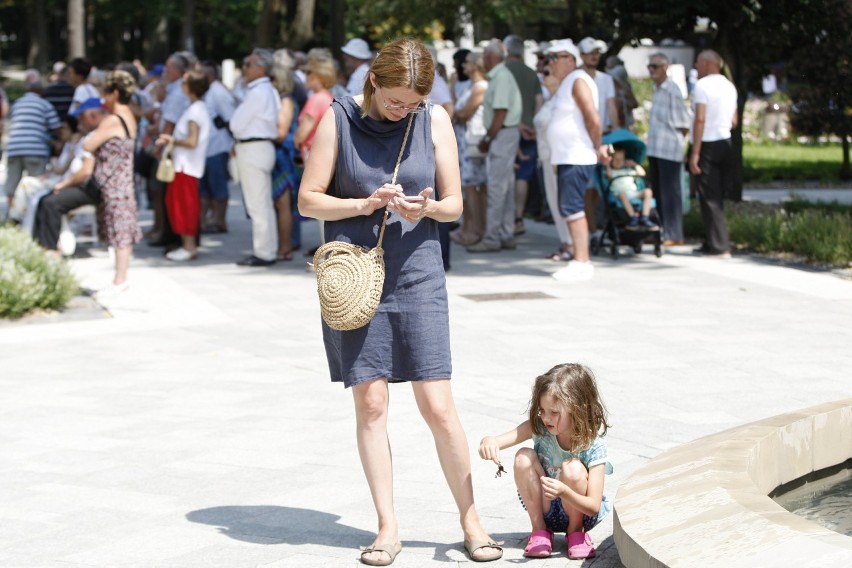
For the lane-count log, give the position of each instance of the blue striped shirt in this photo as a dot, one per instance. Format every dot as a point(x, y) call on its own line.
point(32, 122)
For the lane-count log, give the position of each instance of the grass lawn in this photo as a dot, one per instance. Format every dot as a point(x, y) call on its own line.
point(797, 162)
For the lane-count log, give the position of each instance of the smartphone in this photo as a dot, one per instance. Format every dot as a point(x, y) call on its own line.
point(413, 198)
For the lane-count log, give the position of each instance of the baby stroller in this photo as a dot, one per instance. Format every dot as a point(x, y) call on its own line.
point(616, 219)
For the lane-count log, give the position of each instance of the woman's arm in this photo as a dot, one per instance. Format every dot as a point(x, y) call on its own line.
point(319, 170)
point(490, 446)
point(110, 127)
point(590, 503)
point(306, 125)
point(191, 140)
point(469, 109)
point(285, 118)
point(447, 176)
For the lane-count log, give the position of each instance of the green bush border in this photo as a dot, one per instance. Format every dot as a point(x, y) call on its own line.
point(819, 232)
point(29, 278)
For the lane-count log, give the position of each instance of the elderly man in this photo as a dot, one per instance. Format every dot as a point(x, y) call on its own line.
point(667, 126)
point(255, 128)
point(356, 60)
point(32, 123)
point(574, 135)
point(501, 115)
point(71, 191)
point(213, 185)
point(714, 102)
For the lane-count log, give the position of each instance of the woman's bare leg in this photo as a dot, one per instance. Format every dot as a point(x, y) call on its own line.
point(122, 263)
point(371, 415)
point(435, 402)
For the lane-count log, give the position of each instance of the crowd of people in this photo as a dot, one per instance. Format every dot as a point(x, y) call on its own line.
point(516, 128)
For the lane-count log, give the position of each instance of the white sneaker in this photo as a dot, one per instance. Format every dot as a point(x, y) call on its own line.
point(181, 255)
point(575, 272)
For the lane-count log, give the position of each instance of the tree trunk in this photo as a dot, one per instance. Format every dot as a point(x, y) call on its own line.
point(37, 24)
point(302, 29)
point(187, 31)
point(337, 26)
point(264, 23)
point(845, 169)
point(76, 29)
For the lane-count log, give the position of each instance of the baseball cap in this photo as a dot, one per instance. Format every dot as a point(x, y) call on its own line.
point(156, 70)
point(589, 44)
point(357, 48)
point(564, 45)
point(88, 104)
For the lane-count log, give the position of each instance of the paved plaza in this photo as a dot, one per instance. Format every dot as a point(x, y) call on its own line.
point(191, 422)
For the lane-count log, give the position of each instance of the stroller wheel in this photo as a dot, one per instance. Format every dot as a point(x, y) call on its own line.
point(613, 251)
point(658, 250)
point(637, 248)
point(595, 246)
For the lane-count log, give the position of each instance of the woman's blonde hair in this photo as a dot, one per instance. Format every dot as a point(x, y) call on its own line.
point(478, 61)
point(574, 386)
point(122, 82)
point(324, 70)
point(404, 62)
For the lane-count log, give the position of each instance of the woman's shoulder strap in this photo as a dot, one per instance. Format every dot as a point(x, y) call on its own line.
point(123, 124)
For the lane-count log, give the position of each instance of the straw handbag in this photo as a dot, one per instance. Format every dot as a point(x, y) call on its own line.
point(166, 167)
point(350, 278)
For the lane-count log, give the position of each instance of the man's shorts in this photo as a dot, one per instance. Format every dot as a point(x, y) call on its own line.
point(526, 168)
point(214, 183)
point(572, 181)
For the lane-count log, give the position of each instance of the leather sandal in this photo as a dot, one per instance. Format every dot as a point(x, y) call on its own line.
point(471, 546)
point(390, 549)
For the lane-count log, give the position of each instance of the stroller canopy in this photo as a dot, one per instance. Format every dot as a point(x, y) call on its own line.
point(634, 148)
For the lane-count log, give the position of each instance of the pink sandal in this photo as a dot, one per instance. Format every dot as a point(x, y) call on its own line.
point(580, 545)
point(540, 545)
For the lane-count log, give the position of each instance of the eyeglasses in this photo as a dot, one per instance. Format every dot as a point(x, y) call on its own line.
point(421, 107)
point(545, 73)
point(248, 64)
point(653, 66)
point(558, 56)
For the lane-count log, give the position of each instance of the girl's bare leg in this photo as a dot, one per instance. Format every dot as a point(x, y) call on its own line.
point(575, 476)
point(122, 262)
point(528, 473)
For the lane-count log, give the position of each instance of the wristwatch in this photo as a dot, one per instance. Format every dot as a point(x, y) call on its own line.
point(486, 139)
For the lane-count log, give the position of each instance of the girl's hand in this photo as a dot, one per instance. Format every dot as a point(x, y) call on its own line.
point(489, 449)
point(413, 210)
point(552, 488)
point(380, 198)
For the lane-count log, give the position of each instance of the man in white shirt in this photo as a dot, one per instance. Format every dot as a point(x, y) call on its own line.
point(714, 101)
point(254, 126)
point(356, 59)
point(78, 76)
point(213, 186)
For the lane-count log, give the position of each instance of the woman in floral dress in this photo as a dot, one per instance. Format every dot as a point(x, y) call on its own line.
point(113, 144)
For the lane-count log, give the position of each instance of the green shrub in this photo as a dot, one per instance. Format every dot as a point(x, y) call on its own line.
point(29, 279)
point(818, 232)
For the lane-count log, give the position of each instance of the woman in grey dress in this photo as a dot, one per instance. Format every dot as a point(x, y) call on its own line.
point(347, 184)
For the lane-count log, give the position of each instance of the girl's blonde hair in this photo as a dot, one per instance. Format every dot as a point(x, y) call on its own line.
point(324, 70)
point(404, 62)
point(574, 386)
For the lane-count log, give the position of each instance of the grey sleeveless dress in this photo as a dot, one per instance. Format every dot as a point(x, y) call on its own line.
point(409, 337)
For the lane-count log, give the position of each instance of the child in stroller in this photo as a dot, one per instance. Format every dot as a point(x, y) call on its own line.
point(622, 174)
point(621, 226)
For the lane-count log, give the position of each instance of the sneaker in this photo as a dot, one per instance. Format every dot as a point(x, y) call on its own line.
point(648, 224)
point(634, 223)
point(575, 272)
point(482, 246)
point(111, 291)
point(181, 255)
point(580, 545)
point(509, 244)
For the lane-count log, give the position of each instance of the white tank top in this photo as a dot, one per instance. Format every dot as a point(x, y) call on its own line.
point(567, 136)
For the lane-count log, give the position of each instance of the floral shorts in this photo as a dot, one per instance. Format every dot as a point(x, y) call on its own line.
point(556, 520)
